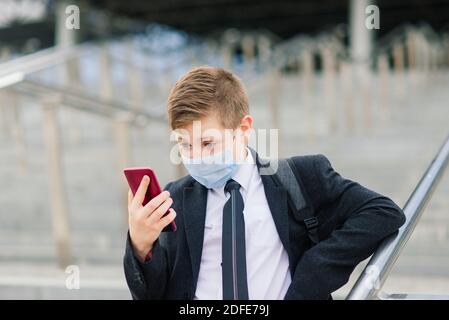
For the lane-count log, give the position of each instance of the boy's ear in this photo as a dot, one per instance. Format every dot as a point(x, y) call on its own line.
point(246, 124)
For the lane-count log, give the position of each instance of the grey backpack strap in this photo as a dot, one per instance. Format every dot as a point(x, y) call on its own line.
point(287, 176)
point(288, 180)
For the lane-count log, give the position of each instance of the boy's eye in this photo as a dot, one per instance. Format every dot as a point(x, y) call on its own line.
point(184, 145)
point(208, 144)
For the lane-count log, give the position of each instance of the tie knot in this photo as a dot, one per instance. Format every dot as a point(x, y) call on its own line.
point(232, 185)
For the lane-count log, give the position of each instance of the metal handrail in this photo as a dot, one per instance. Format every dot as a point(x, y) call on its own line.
point(370, 282)
point(76, 99)
point(26, 65)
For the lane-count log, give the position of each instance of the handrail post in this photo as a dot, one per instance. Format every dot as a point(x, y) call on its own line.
point(329, 70)
point(18, 131)
point(346, 78)
point(58, 200)
point(136, 91)
point(248, 48)
point(106, 84)
point(398, 62)
point(274, 87)
point(385, 81)
point(5, 124)
point(374, 275)
point(308, 79)
point(411, 49)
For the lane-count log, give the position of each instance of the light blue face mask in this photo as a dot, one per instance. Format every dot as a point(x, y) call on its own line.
point(212, 171)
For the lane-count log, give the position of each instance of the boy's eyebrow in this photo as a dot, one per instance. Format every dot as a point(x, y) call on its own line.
point(181, 138)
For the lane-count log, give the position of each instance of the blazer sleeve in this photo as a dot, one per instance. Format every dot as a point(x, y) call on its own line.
point(362, 218)
point(147, 280)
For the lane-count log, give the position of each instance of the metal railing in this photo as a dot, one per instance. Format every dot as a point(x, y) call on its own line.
point(14, 71)
point(80, 100)
point(369, 284)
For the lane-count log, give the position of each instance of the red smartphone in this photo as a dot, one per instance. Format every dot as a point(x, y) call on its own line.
point(135, 176)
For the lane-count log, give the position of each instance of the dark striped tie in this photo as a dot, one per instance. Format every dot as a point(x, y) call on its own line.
point(235, 286)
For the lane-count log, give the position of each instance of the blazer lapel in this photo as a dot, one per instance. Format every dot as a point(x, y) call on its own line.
point(277, 201)
point(194, 211)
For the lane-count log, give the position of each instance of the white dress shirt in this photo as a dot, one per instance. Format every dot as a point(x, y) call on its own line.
point(267, 263)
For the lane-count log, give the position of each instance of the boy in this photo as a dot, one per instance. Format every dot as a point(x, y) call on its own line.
point(236, 237)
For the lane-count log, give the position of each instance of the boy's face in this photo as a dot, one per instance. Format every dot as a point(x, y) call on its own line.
point(206, 136)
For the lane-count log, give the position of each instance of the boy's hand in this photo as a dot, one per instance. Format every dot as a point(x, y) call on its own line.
point(146, 222)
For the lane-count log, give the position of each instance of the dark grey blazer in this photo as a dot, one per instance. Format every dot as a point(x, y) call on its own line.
point(353, 220)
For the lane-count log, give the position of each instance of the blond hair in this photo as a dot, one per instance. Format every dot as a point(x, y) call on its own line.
point(207, 90)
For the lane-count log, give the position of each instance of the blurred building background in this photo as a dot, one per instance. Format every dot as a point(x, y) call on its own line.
point(77, 106)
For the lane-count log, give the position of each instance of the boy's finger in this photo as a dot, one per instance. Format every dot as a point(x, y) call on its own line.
point(162, 209)
point(154, 203)
point(165, 221)
point(130, 197)
point(140, 193)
